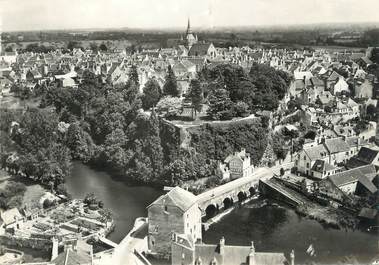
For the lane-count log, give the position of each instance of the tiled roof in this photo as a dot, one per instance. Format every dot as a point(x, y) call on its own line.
point(177, 197)
point(367, 155)
point(361, 174)
point(336, 145)
point(236, 255)
point(199, 49)
point(71, 257)
point(321, 166)
point(316, 152)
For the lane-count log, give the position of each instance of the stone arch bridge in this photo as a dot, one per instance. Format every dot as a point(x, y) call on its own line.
point(224, 196)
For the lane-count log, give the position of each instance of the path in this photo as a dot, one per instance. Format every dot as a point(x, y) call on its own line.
point(135, 240)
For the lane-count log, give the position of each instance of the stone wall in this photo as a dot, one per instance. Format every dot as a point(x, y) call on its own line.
point(34, 243)
point(161, 225)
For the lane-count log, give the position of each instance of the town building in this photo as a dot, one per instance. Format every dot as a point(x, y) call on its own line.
point(10, 219)
point(176, 211)
point(184, 252)
point(239, 164)
point(355, 181)
point(365, 156)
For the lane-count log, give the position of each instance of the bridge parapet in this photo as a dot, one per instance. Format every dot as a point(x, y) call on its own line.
point(232, 189)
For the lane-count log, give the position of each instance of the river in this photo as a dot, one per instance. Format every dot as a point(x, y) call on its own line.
point(126, 202)
point(272, 228)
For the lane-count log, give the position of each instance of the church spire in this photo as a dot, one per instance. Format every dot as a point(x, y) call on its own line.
point(188, 26)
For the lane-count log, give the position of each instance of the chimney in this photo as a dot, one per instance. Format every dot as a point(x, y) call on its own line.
point(252, 254)
point(222, 246)
point(292, 257)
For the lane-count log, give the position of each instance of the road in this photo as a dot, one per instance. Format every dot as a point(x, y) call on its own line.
point(135, 240)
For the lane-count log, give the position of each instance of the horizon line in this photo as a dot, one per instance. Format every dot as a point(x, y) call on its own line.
point(202, 28)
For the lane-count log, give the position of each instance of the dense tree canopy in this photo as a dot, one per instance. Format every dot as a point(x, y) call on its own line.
point(170, 87)
point(169, 106)
point(151, 94)
point(196, 95)
point(260, 89)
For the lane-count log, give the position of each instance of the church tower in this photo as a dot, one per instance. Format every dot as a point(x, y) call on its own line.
point(191, 39)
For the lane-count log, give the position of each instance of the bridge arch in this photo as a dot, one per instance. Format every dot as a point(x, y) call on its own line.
point(252, 191)
point(211, 210)
point(241, 196)
point(228, 202)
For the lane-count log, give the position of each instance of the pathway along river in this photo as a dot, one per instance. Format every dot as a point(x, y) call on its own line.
point(272, 228)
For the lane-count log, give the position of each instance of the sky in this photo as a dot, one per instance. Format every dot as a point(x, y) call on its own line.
point(76, 14)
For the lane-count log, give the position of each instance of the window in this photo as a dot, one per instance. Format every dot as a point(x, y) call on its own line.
point(165, 208)
point(307, 165)
point(347, 153)
point(305, 158)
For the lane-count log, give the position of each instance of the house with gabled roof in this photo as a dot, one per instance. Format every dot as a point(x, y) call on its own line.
point(338, 150)
point(203, 49)
point(355, 181)
point(186, 253)
point(365, 156)
point(239, 164)
point(308, 156)
point(174, 212)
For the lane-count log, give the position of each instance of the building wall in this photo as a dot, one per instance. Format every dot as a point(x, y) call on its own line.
point(339, 157)
point(364, 90)
point(236, 168)
point(192, 222)
point(349, 188)
point(161, 224)
point(181, 255)
point(303, 163)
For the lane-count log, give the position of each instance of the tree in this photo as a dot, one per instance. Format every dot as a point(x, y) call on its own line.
point(153, 147)
point(79, 142)
point(103, 47)
point(169, 106)
point(93, 46)
point(133, 75)
point(73, 45)
point(151, 94)
point(170, 87)
point(241, 109)
point(220, 105)
point(196, 95)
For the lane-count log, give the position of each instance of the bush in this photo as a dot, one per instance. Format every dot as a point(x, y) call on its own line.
point(241, 109)
point(48, 203)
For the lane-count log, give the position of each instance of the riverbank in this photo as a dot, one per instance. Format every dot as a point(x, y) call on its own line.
point(274, 226)
point(329, 216)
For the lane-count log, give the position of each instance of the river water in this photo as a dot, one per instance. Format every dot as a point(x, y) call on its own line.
point(126, 202)
point(271, 227)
